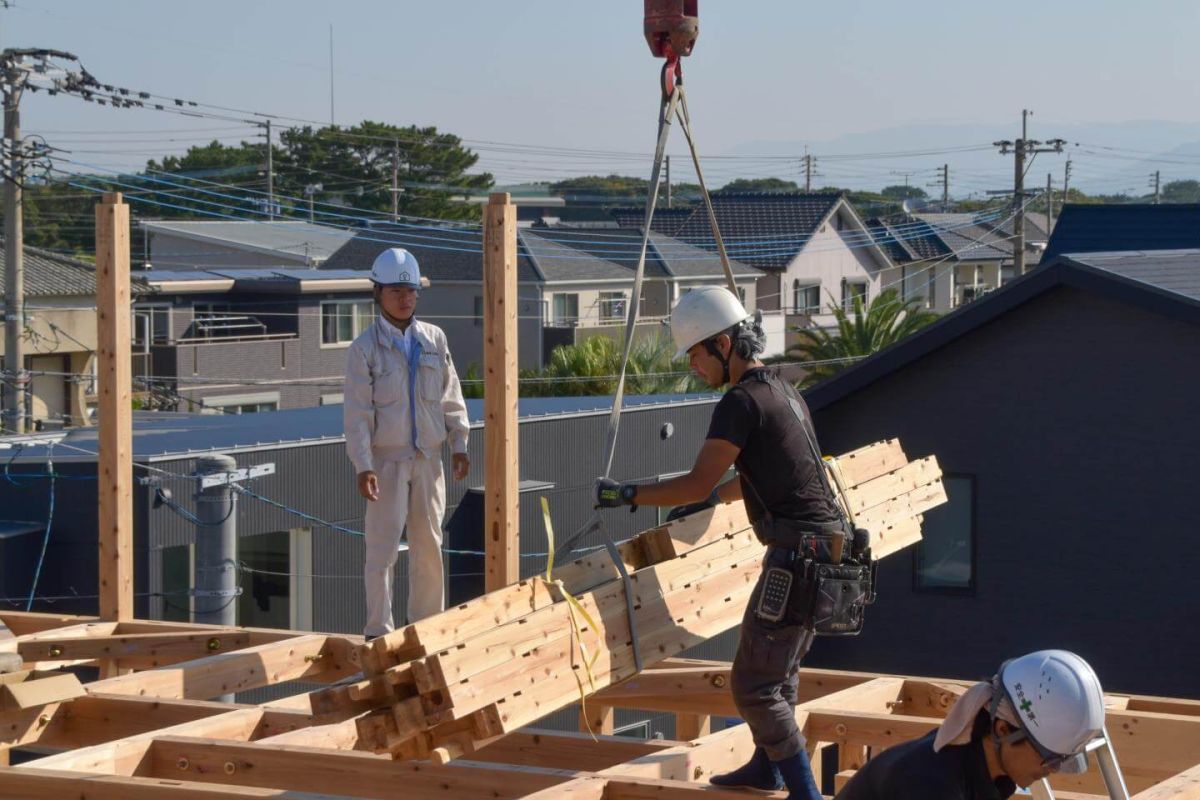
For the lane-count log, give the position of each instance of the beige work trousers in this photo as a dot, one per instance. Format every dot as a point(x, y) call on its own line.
point(411, 493)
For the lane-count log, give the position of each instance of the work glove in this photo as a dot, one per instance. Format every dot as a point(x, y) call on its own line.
point(610, 494)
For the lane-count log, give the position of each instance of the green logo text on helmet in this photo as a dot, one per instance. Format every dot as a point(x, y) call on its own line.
point(703, 313)
point(396, 267)
point(1058, 699)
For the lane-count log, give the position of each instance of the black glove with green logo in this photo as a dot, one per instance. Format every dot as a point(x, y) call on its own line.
point(610, 494)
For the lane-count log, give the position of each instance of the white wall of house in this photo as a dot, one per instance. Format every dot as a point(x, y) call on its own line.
point(829, 261)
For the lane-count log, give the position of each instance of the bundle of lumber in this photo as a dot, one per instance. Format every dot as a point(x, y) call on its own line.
point(445, 686)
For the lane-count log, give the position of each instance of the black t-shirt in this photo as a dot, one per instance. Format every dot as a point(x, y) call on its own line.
point(912, 771)
point(775, 459)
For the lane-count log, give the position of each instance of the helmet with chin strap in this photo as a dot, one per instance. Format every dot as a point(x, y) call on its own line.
point(705, 313)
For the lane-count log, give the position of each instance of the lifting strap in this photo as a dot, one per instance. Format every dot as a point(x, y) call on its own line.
point(673, 105)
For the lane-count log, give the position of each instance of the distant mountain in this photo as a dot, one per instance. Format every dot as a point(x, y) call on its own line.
point(1106, 157)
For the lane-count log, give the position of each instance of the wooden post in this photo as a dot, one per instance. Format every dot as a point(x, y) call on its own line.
point(692, 726)
point(598, 719)
point(115, 462)
point(501, 541)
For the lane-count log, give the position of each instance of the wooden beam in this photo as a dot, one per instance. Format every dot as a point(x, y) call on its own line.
point(1184, 786)
point(137, 650)
point(115, 459)
point(44, 784)
point(351, 773)
point(312, 657)
point(562, 750)
point(501, 508)
point(597, 719)
point(22, 623)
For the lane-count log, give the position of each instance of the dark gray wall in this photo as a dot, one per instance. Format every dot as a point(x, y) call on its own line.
point(1076, 415)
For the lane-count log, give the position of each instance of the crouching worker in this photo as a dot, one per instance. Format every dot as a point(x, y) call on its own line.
point(1039, 715)
point(762, 426)
point(402, 402)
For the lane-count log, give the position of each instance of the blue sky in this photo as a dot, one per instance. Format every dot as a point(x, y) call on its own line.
point(767, 75)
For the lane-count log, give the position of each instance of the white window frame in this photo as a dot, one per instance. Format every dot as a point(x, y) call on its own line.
point(797, 289)
point(332, 399)
point(146, 312)
point(565, 320)
point(605, 302)
point(217, 405)
point(357, 324)
point(848, 297)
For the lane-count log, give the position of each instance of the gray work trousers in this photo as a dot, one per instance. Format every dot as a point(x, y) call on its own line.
point(765, 675)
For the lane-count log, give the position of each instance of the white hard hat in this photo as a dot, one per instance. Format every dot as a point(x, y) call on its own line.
point(1058, 699)
point(703, 313)
point(396, 266)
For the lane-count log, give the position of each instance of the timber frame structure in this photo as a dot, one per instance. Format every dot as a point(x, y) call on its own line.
point(153, 732)
point(148, 726)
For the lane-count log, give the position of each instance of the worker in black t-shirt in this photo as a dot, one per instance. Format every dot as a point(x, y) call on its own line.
point(759, 426)
point(1039, 715)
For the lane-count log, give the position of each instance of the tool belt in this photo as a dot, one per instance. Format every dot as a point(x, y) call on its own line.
point(829, 598)
point(826, 542)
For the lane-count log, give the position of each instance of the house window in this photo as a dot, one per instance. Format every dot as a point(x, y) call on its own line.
point(566, 309)
point(806, 299)
point(203, 311)
point(945, 557)
point(612, 306)
point(852, 290)
point(241, 403)
point(634, 730)
point(478, 313)
point(343, 320)
point(151, 324)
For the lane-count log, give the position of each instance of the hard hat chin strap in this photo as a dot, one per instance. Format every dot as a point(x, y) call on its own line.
point(711, 346)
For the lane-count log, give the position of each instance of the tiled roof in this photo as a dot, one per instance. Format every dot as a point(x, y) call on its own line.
point(890, 240)
point(452, 253)
point(967, 238)
point(788, 219)
point(1115, 228)
point(49, 274)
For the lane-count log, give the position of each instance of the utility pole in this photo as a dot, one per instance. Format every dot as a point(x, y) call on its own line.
point(1157, 178)
point(310, 191)
point(1020, 149)
point(395, 180)
point(270, 175)
point(943, 172)
point(808, 171)
point(668, 166)
point(1049, 202)
point(215, 575)
point(1066, 181)
point(331, 122)
point(14, 255)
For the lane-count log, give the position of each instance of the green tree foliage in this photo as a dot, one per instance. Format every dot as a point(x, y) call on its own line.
point(760, 185)
point(1187, 191)
point(859, 332)
point(589, 368)
point(610, 188)
point(352, 166)
point(901, 192)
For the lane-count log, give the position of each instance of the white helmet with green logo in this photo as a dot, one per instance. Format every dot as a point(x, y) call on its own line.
point(1058, 699)
point(703, 313)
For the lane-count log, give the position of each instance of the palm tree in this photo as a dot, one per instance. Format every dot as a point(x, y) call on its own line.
point(859, 333)
point(652, 368)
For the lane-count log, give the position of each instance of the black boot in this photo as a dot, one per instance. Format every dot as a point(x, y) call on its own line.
point(798, 777)
point(757, 773)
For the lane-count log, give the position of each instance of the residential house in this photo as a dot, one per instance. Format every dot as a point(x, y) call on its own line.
point(59, 336)
point(1134, 226)
point(813, 248)
point(239, 340)
point(572, 283)
point(1060, 407)
point(230, 244)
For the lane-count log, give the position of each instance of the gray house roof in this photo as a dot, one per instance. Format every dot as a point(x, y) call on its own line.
point(967, 237)
point(292, 240)
point(544, 255)
point(790, 218)
point(49, 274)
point(1175, 270)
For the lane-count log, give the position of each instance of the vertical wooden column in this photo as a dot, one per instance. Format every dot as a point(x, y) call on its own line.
point(115, 463)
point(501, 537)
point(598, 719)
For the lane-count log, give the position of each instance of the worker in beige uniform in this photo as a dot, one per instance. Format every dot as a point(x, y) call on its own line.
point(403, 401)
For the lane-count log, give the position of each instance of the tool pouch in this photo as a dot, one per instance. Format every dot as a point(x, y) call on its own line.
point(840, 594)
